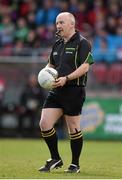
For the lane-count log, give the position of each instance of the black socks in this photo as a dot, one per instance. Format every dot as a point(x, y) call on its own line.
point(76, 143)
point(52, 142)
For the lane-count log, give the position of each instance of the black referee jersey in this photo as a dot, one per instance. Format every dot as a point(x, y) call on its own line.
point(67, 57)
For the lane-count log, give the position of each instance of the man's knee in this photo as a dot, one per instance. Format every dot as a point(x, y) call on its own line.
point(73, 123)
point(74, 127)
point(43, 124)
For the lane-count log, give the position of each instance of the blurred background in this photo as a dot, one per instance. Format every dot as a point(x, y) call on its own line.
point(27, 32)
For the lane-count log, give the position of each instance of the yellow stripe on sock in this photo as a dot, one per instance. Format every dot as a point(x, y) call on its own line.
point(49, 133)
point(74, 135)
point(46, 133)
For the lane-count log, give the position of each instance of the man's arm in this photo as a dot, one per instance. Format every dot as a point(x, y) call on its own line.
point(85, 59)
point(80, 71)
point(83, 68)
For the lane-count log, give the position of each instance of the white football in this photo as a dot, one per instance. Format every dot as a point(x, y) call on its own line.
point(46, 77)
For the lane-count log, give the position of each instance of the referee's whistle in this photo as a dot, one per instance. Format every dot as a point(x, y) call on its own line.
point(58, 33)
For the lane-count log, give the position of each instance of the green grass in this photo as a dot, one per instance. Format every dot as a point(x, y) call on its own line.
point(21, 159)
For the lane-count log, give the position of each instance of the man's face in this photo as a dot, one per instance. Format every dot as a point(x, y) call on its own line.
point(64, 25)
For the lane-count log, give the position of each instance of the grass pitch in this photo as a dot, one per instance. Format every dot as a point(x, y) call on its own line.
point(21, 159)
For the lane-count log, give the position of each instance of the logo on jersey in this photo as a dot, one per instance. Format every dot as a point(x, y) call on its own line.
point(69, 50)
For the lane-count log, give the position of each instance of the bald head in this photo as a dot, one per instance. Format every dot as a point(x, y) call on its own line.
point(65, 24)
point(68, 16)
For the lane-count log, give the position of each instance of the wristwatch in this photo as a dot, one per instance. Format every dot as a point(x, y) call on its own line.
point(67, 78)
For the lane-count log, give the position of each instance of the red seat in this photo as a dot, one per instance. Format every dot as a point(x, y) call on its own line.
point(115, 74)
point(100, 72)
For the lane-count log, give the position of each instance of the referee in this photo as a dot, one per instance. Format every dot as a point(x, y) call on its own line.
point(71, 57)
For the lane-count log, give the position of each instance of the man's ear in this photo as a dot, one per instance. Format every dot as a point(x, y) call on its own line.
point(72, 23)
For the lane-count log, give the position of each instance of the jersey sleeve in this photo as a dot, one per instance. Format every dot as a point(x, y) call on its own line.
point(84, 52)
point(50, 58)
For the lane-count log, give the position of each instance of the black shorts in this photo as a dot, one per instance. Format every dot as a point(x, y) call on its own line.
point(69, 98)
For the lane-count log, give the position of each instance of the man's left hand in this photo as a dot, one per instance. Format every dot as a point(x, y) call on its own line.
point(61, 81)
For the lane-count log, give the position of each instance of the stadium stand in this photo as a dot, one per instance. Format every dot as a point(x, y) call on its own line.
point(100, 72)
point(115, 74)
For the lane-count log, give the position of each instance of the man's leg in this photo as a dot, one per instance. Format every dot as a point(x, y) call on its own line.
point(76, 141)
point(48, 119)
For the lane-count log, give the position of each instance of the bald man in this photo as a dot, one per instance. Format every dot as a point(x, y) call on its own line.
point(71, 57)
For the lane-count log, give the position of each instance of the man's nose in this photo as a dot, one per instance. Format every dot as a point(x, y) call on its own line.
point(58, 26)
